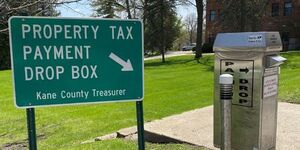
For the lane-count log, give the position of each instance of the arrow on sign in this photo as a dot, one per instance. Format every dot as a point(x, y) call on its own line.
point(246, 70)
point(126, 65)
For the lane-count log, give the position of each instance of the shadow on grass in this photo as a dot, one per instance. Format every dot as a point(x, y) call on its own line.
point(206, 61)
point(168, 62)
point(21, 144)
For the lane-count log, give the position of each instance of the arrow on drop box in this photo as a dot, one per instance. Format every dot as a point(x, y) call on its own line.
point(246, 70)
point(126, 65)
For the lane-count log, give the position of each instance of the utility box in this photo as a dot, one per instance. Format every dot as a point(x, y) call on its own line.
point(253, 60)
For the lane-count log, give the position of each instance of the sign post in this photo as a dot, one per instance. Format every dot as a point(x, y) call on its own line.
point(31, 128)
point(226, 81)
point(64, 61)
point(140, 124)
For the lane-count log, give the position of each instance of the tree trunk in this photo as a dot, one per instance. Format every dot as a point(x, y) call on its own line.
point(145, 12)
point(243, 17)
point(199, 6)
point(128, 9)
point(133, 3)
point(162, 42)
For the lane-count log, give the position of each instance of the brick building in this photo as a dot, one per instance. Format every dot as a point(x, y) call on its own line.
point(281, 15)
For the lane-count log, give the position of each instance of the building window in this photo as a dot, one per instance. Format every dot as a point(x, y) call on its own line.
point(212, 15)
point(288, 8)
point(275, 9)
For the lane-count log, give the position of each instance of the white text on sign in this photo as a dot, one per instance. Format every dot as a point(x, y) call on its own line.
point(65, 52)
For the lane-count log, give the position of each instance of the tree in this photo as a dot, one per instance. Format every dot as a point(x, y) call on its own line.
point(191, 26)
point(134, 8)
point(199, 6)
point(117, 8)
point(183, 36)
point(22, 8)
point(107, 8)
point(128, 9)
point(27, 8)
point(161, 25)
point(247, 14)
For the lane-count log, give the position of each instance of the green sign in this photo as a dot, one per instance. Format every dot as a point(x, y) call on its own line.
point(67, 60)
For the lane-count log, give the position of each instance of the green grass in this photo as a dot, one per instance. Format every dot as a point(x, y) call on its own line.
point(179, 85)
point(125, 144)
point(289, 89)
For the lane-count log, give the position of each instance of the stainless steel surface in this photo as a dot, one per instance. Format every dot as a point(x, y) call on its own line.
point(275, 60)
point(248, 41)
point(226, 125)
point(226, 97)
point(254, 113)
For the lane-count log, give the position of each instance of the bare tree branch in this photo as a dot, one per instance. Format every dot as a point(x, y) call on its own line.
point(4, 30)
point(62, 2)
point(191, 3)
point(74, 10)
point(8, 9)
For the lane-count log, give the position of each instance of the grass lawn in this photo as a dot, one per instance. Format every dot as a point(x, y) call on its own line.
point(179, 85)
point(289, 89)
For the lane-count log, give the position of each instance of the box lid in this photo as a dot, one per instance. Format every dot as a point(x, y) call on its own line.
point(248, 41)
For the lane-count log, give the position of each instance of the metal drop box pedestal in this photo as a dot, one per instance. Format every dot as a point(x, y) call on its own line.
point(253, 60)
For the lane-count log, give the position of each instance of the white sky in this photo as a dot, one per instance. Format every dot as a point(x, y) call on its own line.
point(83, 9)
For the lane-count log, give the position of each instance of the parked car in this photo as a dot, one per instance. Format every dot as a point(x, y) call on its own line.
point(188, 47)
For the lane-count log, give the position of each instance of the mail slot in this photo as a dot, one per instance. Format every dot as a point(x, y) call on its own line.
point(252, 58)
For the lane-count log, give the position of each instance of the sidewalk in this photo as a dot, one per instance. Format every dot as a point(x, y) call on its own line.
point(196, 127)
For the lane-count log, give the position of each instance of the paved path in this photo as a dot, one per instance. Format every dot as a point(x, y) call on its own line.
point(195, 127)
